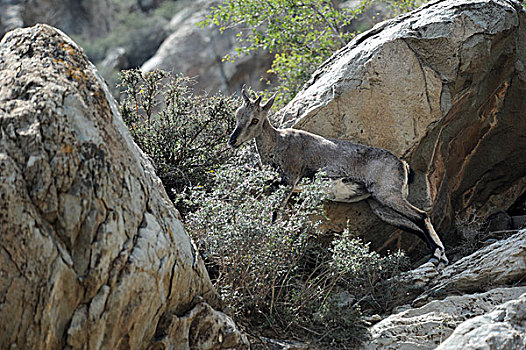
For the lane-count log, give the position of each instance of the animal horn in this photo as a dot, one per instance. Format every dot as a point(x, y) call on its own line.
point(244, 94)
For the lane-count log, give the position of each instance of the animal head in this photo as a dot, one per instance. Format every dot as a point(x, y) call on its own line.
point(250, 118)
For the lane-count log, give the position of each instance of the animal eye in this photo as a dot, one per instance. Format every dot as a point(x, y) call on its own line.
point(255, 121)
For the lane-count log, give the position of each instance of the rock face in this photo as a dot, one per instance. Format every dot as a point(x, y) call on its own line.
point(443, 87)
point(89, 17)
point(92, 254)
point(198, 52)
point(468, 305)
point(428, 326)
point(503, 328)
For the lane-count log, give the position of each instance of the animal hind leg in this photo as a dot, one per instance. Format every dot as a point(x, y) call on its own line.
point(394, 218)
point(439, 252)
point(418, 218)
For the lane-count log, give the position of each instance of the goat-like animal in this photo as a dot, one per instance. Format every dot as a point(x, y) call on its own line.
point(359, 172)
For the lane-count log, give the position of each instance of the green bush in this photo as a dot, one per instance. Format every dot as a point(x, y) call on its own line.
point(184, 134)
point(367, 270)
point(300, 34)
point(269, 264)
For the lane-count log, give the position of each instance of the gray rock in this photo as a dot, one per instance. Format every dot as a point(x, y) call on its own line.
point(518, 221)
point(10, 15)
point(201, 328)
point(115, 59)
point(92, 254)
point(448, 301)
point(198, 52)
point(441, 87)
point(503, 328)
point(499, 221)
point(499, 264)
point(91, 18)
point(428, 326)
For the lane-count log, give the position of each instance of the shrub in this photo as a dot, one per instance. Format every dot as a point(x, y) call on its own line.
point(184, 134)
point(255, 258)
point(301, 35)
point(470, 229)
point(367, 271)
point(269, 264)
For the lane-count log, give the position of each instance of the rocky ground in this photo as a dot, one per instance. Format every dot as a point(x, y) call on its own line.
point(476, 303)
point(161, 34)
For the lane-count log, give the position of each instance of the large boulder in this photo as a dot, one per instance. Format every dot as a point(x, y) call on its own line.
point(92, 253)
point(442, 87)
point(197, 51)
point(428, 326)
point(503, 328)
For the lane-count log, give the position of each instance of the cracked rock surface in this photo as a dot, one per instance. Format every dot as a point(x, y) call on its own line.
point(92, 255)
point(429, 326)
point(443, 87)
point(503, 328)
point(477, 302)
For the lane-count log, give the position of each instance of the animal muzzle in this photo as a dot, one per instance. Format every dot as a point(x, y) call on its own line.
point(232, 142)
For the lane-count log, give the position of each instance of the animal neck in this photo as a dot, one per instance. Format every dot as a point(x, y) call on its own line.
point(266, 141)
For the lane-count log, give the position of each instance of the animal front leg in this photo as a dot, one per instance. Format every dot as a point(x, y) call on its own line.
point(285, 180)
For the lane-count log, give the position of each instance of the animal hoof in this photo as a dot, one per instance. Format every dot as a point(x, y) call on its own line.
point(439, 258)
point(434, 260)
point(444, 261)
point(439, 262)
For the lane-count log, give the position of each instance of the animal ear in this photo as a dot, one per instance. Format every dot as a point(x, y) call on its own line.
point(245, 94)
point(269, 103)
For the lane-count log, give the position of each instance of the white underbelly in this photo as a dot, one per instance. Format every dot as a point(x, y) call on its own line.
point(343, 190)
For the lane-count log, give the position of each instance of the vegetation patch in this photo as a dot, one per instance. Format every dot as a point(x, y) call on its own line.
point(277, 272)
point(185, 135)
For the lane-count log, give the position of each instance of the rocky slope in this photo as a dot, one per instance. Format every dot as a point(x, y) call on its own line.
point(442, 87)
point(476, 303)
point(92, 18)
point(110, 26)
point(92, 254)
